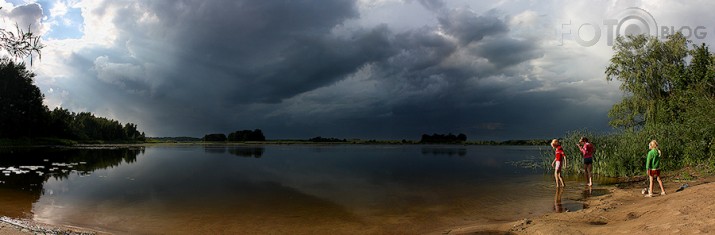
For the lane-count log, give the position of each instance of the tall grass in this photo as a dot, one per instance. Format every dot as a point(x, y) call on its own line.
point(624, 153)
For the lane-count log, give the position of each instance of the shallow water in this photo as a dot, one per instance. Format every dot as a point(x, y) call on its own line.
point(299, 189)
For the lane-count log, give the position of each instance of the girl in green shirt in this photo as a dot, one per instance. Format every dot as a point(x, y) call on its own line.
point(652, 165)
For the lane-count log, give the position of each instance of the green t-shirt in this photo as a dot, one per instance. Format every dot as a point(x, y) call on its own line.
point(653, 161)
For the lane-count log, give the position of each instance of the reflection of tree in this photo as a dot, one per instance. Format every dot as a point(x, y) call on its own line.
point(214, 149)
point(59, 163)
point(242, 151)
point(256, 152)
point(445, 139)
point(445, 151)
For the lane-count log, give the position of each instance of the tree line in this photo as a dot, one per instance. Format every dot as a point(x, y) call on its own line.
point(443, 139)
point(23, 114)
point(236, 136)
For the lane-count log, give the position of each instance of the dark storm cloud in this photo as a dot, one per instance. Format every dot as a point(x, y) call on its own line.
point(259, 51)
point(504, 52)
point(313, 63)
point(194, 67)
point(467, 26)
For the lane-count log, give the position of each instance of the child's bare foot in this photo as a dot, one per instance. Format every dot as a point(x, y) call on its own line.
point(662, 193)
point(649, 195)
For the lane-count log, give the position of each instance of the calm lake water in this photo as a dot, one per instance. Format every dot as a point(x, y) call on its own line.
point(279, 189)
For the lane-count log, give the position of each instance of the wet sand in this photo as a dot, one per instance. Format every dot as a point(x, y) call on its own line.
point(10, 226)
point(624, 211)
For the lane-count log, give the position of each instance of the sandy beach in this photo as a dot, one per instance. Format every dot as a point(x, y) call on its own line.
point(623, 211)
point(10, 226)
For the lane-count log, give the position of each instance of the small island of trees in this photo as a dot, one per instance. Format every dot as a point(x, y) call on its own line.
point(236, 136)
point(443, 139)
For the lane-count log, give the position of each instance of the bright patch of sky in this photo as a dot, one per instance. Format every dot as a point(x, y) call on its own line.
point(64, 18)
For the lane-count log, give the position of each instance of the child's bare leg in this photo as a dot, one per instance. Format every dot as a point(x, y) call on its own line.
point(662, 190)
point(556, 176)
point(589, 174)
point(585, 172)
point(650, 188)
point(562, 180)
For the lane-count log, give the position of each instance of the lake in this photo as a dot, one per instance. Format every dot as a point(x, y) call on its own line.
point(279, 189)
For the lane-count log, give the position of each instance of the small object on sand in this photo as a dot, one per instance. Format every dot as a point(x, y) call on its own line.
point(644, 191)
point(682, 187)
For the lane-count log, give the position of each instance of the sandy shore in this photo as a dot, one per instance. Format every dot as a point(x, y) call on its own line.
point(9, 226)
point(624, 211)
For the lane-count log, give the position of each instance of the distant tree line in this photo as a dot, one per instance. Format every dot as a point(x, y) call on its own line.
point(215, 137)
point(525, 142)
point(246, 135)
point(324, 140)
point(23, 115)
point(443, 139)
point(85, 126)
point(172, 139)
point(236, 136)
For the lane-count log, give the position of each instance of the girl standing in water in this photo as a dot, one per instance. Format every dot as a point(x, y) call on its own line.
point(559, 162)
point(587, 151)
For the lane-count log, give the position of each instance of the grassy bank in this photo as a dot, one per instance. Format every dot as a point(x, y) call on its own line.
point(624, 154)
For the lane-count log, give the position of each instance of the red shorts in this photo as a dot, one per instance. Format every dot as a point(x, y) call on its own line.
point(654, 173)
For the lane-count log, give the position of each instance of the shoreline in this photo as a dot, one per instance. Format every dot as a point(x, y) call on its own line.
point(11, 226)
point(624, 210)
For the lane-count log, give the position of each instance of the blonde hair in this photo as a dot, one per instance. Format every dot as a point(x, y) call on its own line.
point(555, 142)
point(653, 144)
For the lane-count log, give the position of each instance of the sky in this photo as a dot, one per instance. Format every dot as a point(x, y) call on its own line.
point(369, 69)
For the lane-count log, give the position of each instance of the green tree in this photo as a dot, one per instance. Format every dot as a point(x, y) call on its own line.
point(669, 96)
point(22, 113)
point(246, 135)
point(648, 70)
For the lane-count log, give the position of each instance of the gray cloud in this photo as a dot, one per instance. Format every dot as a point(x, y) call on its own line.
point(194, 67)
point(468, 27)
point(504, 52)
point(29, 15)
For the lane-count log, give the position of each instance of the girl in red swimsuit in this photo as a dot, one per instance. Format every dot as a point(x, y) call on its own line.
point(559, 162)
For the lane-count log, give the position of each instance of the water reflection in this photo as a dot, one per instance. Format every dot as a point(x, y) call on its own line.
point(449, 151)
point(293, 189)
point(26, 170)
point(241, 151)
point(558, 206)
point(589, 191)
